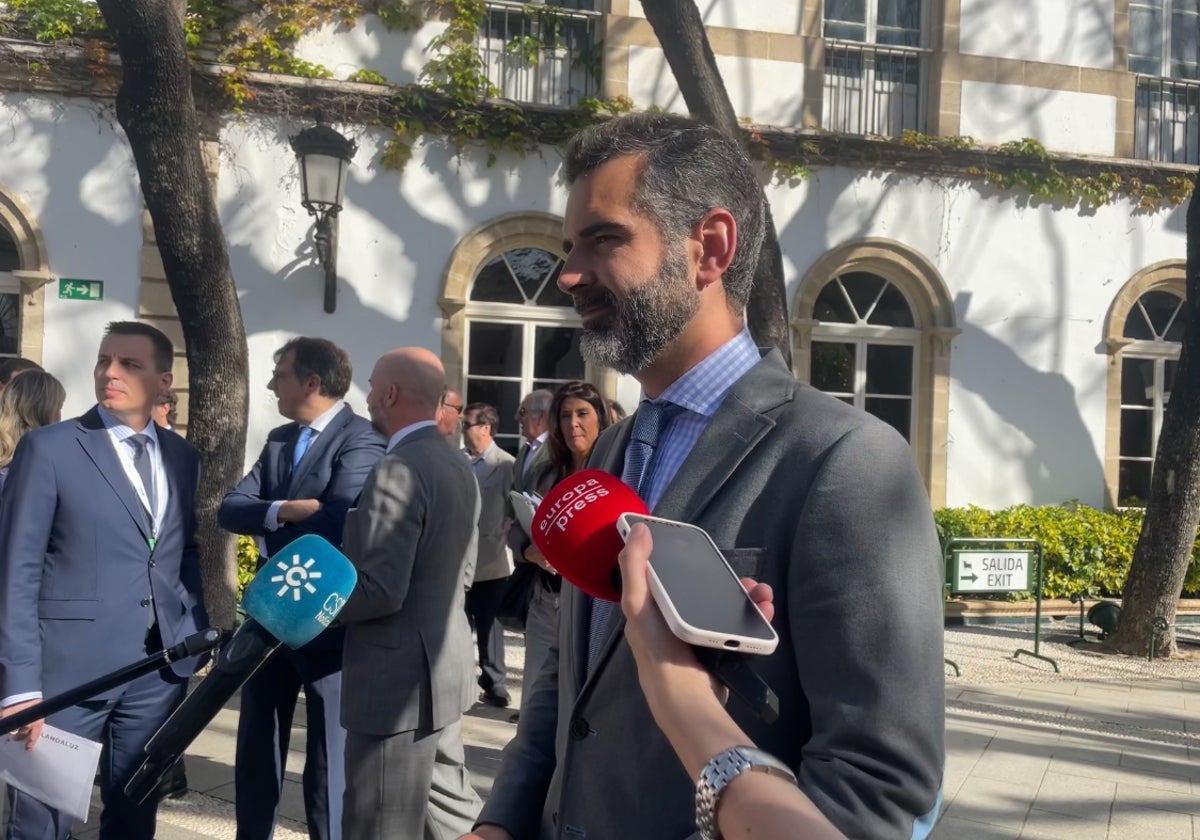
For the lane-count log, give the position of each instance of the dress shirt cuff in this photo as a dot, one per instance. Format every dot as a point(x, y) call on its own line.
point(271, 520)
point(20, 698)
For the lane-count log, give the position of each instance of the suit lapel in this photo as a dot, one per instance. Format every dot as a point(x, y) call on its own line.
point(173, 467)
point(738, 425)
point(97, 444)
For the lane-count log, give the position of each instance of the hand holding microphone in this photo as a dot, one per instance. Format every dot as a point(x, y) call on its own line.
point(576, 528)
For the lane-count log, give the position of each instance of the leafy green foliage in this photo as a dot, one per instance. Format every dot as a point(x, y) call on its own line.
point(1085, 550)
point(367, 77)
point(398, 15)
point(247, 559)
point(53, 20)
point(930, 143)
point(261, 35)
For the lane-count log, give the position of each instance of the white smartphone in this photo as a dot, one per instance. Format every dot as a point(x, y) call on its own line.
point(700, 596)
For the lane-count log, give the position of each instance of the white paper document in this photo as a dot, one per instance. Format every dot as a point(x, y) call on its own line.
point(59, 772)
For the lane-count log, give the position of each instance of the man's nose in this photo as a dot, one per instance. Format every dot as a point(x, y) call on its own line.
point(572, 274)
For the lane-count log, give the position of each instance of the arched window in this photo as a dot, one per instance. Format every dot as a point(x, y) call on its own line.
point(10, 296)
point(24, 273)
point(508, 329)
point(522, 333)
point(864, 347)
point(872, 326)
point(1145, 329)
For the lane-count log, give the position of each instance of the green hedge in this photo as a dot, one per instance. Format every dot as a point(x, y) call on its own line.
point(1086, 550)
point(247, 558)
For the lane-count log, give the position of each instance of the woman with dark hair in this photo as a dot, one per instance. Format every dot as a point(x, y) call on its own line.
point(577, 416)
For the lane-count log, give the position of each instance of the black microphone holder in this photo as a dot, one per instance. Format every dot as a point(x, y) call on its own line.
point(194, 644)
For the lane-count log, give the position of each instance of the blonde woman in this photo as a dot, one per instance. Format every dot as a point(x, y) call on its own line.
point(30, 401)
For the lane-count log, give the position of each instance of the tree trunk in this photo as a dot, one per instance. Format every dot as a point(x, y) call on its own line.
point(1164, 549)
point(157, 112)
point(680, 31)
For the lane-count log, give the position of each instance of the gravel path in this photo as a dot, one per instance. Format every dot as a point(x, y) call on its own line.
point(984, 654)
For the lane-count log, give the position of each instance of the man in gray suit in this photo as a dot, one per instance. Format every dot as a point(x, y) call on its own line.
point(493, 566)
point(407, 664)
point(823, 502)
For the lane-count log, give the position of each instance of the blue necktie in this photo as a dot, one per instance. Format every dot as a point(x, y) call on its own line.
point(302, 442)
point(648, 424)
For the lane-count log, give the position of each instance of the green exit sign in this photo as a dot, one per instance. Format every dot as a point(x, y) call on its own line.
point(69, 289)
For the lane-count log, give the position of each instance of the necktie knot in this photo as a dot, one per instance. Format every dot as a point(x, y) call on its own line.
point(139, 443)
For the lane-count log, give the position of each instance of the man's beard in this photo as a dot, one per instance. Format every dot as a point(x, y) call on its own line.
point(644, 322)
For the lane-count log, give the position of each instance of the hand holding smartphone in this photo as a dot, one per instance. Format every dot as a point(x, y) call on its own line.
point(700, 596)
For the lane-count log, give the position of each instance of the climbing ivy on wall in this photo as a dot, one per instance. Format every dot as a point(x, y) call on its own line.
point(454, 99)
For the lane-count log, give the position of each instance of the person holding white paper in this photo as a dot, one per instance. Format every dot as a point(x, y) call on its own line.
point(60, 773)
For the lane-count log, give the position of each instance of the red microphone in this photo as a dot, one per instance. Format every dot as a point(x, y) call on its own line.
point(575, 527)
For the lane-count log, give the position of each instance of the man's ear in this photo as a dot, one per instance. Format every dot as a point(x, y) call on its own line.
point(717, 236)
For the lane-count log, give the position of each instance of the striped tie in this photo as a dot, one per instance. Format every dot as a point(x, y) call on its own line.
point(648, 423)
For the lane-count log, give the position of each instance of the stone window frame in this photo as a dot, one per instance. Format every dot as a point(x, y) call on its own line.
point(932, 306)
point(503, 233)
point(33, 274)
point(1165, 275)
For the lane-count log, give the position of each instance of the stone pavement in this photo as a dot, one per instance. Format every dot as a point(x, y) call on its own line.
point(1037, 755)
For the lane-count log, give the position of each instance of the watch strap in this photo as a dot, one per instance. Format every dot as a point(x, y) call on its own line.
point(722, 769)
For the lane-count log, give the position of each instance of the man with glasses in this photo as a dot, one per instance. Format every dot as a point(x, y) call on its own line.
point(449, 413)
point(307, 477)
point(493, 565)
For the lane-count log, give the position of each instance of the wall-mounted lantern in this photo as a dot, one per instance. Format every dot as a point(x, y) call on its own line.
point(324, 156)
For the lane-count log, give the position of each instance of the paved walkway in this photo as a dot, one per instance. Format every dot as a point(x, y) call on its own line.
point(1037, 755)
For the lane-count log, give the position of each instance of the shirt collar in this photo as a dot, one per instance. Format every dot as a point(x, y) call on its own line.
point(406, 431)
point(475, 459)
point(703, 387)
point(318, 425)
point(121, 432)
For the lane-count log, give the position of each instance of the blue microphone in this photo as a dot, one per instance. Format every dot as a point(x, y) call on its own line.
point(294, 596)
point(300, 591)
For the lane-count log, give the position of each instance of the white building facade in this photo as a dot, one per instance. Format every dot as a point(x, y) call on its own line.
point(1026, 349)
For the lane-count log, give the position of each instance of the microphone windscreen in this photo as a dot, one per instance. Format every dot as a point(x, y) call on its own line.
point(575, 527)
point(300, 590)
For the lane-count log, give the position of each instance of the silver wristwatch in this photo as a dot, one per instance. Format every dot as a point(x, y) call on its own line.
point(722, 769)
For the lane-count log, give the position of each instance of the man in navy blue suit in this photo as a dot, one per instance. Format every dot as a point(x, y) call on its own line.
point(307, 477)
point(98, 569)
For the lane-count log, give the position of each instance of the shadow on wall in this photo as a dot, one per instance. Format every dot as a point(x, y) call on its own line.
point(396, 235)
point(1062, 463)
